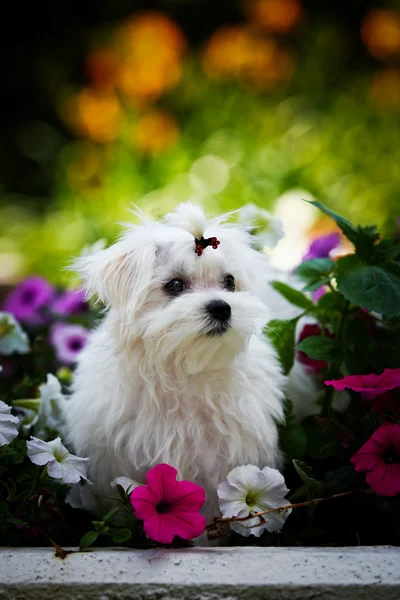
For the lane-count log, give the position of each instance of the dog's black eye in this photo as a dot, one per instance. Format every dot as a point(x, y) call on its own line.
point(175, 287)
point(229, 283)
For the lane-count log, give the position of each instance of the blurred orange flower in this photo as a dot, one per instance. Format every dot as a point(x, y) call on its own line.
point(278, 16)
point(380, 32)
point(156, 131)
point(385, 89)
point(151, 46)
point(237, 52)
point(322, 226)
point(94, 114)
point(85, 171)
point(143, 33)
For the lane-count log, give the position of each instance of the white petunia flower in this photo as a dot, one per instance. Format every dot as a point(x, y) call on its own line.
point(80, 496)
point(50, 409)
point(266, 229)
point(13, 339)
point(126, 483)
point(60, 463)
point(8, 431)
point(45, 413)
point(249, 489)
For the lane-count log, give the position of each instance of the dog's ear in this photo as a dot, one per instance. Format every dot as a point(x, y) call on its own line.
point(119, 275)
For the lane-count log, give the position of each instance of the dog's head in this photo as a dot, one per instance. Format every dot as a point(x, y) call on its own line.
point(190, 309)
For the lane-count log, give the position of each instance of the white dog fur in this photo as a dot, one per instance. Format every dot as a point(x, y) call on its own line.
point(153, 384)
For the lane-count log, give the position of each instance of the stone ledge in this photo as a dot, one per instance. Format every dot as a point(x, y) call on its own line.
point(202, 574)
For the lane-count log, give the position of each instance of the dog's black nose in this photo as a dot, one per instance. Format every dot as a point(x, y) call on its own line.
point(219, 309)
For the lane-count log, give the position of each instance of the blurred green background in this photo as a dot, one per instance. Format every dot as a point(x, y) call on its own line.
point(227, 103)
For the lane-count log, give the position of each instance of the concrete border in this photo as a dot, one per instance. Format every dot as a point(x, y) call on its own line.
point(248, 573)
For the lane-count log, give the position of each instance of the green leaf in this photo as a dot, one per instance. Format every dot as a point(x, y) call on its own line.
point(375, 288)
point(315, 268)
point(288, 411)
point(314, 286)
point(293, 296)
point(121, 535)
point(319, 347)
point(343, 478)
point(110, 514)
point(88, 539)
point(332, 301)
point(100, 526)
point(363, 238)
point(18, 522)
point(282, 336)
point(293, 441)
point(307, 476)
point(387, 250)
point(322, 442)
point(348, 229)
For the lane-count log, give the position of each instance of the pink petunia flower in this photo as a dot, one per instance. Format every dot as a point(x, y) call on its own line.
point(71, 302)
point(28, 299)
point(68, 341)
point(168, 507)
point(312, 364)
point(370, 385)
point(380, 459)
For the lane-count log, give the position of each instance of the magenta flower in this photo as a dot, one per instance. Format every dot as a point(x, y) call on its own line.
point(27, 300)
point(380, 459)
point(322, 246)
point(312, 364)
point(370, 385)
point(71, 302)
point(68, 341)
point(168, 507)
point(317, 295)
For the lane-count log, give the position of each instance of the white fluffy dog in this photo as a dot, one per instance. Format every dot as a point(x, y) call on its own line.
point(178, 372)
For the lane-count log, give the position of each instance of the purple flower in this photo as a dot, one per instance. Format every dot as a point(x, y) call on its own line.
point(28, 298)
point(71, 302)
point(319, 293)
point(322, 246)
point(68, 341)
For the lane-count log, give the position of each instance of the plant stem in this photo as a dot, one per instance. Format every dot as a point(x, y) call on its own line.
point(329, 391)
point(220, 520)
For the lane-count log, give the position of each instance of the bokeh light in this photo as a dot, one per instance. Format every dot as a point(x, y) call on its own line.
point(381, 33)
point(279, 16)
point(251, 114)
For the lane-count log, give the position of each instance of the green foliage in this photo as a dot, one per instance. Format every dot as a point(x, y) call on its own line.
point(282, 336)
point(374, 287)
point(121, 535)
point(359, 325)
point(117, 530)
point(320, 347)
point(291, 295)
point(293, 441)
point(315, 273)
point(307, 476)
point(88, 539)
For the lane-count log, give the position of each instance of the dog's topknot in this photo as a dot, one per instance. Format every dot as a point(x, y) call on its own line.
point(189, 217)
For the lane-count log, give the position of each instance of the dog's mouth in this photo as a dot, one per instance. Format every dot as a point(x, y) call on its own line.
point(216, 328)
